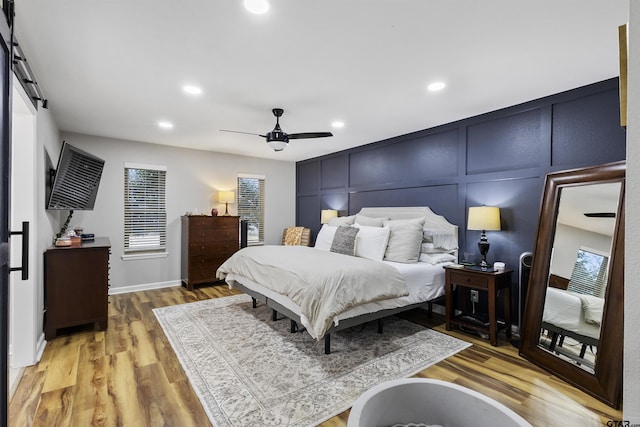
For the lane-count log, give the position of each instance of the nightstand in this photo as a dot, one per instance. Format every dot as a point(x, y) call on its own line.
point(492, 282)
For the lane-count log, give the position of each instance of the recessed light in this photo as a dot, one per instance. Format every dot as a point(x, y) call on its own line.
point(338, 124)
point(165, 125)
point(192, 90)
point(436, 86)
point(257, 7)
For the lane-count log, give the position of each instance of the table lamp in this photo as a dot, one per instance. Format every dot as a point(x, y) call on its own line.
point(226, 197)
point(327, 214)
point(484, 218)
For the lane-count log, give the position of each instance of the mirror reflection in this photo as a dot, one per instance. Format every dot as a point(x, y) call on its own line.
point(578, 272)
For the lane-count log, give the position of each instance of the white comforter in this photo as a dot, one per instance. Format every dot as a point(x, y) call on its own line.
point(323, 284)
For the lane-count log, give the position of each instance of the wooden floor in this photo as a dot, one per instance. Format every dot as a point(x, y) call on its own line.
point(129, 376)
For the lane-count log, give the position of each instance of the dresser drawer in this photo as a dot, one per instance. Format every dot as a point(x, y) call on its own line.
point(216, 247)
point(225, 234)
point(468, 280)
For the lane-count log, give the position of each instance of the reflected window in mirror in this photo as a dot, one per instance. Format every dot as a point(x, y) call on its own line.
point(589, 275)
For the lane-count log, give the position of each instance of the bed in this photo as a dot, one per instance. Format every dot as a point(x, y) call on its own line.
point(573, 315)
point(381, 277)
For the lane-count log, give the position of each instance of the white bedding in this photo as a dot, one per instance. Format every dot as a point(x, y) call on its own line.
point(322, 284)
point(424, 283)
point(566, 310)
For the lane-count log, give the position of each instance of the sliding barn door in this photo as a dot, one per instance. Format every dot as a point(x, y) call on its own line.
point(5, 159)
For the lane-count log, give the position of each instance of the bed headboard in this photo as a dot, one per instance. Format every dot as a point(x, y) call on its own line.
point(432, 220)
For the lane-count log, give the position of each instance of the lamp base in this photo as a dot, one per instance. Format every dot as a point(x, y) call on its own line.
point(226, 209)
point(483, 247)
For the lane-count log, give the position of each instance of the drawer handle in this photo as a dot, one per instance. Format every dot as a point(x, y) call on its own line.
point(202, 234)
point(202, 260)
point(202, 247)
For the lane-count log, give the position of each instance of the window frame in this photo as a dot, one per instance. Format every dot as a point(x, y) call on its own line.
point(246, 212)
point(158, 213)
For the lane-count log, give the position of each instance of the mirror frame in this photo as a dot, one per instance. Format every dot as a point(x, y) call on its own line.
point(606, 383)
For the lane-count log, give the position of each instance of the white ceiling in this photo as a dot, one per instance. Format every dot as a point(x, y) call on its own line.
point(115, 68)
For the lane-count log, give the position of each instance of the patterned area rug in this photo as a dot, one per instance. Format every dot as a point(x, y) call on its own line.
point(250, 371)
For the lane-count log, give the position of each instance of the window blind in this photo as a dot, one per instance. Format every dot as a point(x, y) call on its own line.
point(251, 206)
point(145, 216)
point(589, 275)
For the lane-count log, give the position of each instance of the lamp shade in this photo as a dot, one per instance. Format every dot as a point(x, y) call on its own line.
point(484, 218)
point(226, 196)
point(327, 214)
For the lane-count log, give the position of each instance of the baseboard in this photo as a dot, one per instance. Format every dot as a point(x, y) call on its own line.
point(114, 290)
point(15, 375)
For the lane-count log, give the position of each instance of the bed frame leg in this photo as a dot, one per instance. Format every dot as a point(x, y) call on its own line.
point(294, 326)
point(327, 344)
point(429, 310)
point(380, 323)
point(254, 303)
point(274, 315)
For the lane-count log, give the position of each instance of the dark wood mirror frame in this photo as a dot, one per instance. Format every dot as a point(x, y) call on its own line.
point(606, 383)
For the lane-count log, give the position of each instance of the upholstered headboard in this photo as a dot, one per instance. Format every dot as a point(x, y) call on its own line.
point(433, 222)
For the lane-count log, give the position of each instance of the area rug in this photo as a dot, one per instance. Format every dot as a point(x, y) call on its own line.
point(248, 370)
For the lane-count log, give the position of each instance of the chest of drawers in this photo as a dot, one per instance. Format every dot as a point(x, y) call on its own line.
point(207, 241)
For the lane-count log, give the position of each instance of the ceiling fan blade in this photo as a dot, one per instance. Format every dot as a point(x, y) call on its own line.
point(237, 131)
point(309, 135)
point(600, 214)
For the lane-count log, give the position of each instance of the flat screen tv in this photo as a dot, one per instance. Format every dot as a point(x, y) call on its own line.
point(76, 180)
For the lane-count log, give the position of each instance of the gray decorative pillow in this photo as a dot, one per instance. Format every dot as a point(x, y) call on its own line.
point(405, 240)
point(344, 241)
point(369, 221)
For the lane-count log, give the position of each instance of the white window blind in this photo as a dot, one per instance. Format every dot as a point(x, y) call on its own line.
point(589, 275)
point(251, 206)
point(145, 215)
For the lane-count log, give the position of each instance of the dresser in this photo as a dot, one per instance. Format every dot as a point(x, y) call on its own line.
point(207, 242)
point(76, 282)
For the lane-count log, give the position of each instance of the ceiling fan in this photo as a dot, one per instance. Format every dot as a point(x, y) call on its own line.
point(277, 139)
point(600, 214)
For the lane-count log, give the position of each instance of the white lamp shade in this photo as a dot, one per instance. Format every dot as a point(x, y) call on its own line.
point(327, 214)
point(226, 196)
point(484, 218)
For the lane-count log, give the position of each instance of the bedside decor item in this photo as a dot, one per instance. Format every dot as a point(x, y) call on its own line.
point(226, 197)
point(327, 214)
point(214, 212)
point(484, 218)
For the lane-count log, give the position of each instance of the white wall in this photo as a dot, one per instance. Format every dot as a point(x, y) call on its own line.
point(631, 395)
point(193, 178)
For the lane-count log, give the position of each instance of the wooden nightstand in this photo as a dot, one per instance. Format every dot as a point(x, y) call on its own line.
point(490, 281)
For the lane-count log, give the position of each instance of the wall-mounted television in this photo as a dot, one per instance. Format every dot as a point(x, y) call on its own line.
point(76, 179)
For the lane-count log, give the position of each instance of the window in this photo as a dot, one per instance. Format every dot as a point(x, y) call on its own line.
point(145, 215)
point(251, 206)
point(589, 274)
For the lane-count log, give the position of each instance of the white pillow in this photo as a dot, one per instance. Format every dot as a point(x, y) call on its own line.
point(371, 242)
point(404, 240)
point(342, 220)
point(325, 237)
point(369, 221)
point(437, 258)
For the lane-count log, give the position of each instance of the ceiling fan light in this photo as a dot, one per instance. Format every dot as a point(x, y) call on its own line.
point(277, 145)
point(257, 7)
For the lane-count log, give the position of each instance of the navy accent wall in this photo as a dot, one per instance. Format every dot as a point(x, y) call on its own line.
point(498, 159)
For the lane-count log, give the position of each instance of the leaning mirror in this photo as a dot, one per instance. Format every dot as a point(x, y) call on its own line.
point(573, 321)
